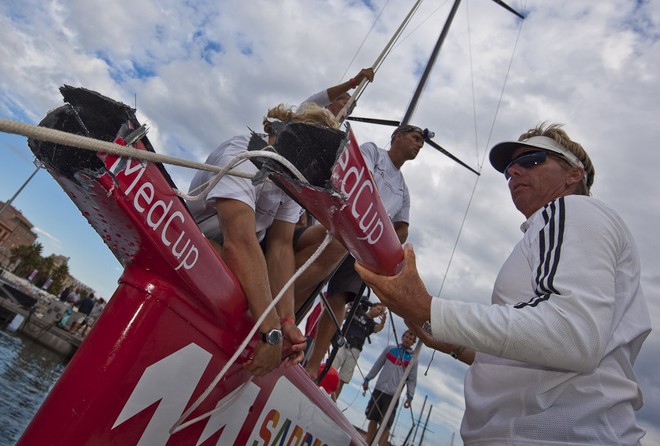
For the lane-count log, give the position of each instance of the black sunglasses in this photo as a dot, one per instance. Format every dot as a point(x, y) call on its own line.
point(527, 160)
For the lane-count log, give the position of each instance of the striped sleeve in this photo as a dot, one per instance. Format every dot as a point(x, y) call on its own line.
point(570, 251)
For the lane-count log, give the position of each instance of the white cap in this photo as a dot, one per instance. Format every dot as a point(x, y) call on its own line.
point(501, 154)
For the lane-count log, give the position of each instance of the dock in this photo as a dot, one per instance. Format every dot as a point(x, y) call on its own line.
point(37, 315)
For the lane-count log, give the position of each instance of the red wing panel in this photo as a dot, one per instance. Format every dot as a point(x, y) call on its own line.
point(351, 209)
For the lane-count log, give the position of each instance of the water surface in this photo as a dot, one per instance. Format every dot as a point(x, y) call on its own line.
point(28, 371)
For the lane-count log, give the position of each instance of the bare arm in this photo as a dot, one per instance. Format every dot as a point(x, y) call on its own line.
point(401, 229)
point(280, 262)
point(244, 257)
point(335, 91)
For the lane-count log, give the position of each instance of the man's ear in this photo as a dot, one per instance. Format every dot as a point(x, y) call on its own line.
point(575, 175)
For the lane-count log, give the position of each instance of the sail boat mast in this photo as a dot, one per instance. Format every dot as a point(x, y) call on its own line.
point(429, 65)
point(436, 51)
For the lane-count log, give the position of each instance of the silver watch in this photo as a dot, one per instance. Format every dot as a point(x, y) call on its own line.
point(273, 337)
point(426, 326)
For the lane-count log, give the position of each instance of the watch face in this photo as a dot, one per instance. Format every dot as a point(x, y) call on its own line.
point(273, 337)
point(427, 328)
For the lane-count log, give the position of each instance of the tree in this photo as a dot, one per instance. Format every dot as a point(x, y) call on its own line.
point(59, 275)
point(29, 257)
point(45, 267)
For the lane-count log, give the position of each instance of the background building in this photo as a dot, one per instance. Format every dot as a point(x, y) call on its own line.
point(15, 230)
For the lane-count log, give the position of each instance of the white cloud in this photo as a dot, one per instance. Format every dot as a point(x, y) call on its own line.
point(204, 71)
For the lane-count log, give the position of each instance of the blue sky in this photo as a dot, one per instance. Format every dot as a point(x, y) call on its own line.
point(200, 72)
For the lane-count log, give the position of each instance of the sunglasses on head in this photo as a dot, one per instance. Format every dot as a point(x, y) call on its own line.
point(527, 160)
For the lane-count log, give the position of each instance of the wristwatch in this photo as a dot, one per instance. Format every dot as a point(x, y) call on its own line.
point(273, 337)
point(426, 326)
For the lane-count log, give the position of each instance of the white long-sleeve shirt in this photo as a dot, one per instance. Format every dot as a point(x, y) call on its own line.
point(557, 348)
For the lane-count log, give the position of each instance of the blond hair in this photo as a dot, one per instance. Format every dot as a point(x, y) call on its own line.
point(308, 113)
point(555, 132)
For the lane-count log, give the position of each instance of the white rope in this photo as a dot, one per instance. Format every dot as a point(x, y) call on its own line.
point(95, 145)
point(237, 160)
point(179, 425)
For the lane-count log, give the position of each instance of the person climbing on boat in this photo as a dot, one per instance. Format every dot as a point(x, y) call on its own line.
point(252, 227)
point(385, 165)
point(552, 358)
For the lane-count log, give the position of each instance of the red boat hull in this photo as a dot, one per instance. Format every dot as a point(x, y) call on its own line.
point(178, 313)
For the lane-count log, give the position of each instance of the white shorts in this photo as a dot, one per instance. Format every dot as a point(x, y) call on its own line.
point(345, 362)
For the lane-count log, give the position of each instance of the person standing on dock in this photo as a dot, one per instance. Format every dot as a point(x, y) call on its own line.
point(64, 294)
point(73, 297)
point(85, 306)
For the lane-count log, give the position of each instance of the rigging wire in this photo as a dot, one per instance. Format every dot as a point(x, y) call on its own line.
point(499, 102)
point(373, 25)
point(476, 182)
point(474, 95)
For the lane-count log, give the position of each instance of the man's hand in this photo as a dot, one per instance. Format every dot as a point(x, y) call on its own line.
point(367, 73)
point(297, 342)
point(407, 403)
point(264, 359)
point(405, 293)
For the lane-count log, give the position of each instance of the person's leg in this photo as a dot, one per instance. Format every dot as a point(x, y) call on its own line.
point(387, 401)
point(348, 366)
point(342, 288)
point(339, 364)
point(304, 247)
point(384, 437)
point(371, 412)
point(371, 431)
point(335, 395)
point(76, 325)
point(324, 332)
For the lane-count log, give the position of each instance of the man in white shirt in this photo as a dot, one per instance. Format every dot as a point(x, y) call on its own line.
point(385, 166)
point(551, 360)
